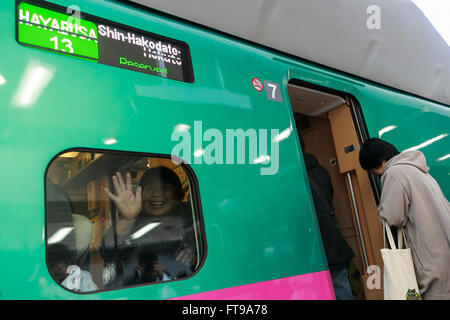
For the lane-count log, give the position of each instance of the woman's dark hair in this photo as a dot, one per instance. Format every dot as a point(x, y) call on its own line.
point(58, 258)
point(374, 151)
point(146, 258)
point(164, 174)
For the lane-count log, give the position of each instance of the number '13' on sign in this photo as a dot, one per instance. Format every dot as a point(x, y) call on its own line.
point(66, 43)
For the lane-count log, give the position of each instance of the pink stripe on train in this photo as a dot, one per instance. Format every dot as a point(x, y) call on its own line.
point(311, 286)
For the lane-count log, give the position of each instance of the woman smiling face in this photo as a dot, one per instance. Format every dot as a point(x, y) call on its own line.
point(158, 198)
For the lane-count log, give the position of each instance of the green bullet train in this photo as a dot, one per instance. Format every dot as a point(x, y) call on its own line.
point(149, 155)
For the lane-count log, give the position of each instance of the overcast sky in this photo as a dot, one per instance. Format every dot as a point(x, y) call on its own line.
point(438, 12)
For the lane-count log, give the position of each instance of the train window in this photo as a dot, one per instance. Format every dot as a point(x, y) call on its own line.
point(116, 219)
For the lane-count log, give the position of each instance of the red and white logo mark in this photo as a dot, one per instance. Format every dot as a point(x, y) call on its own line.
point(257, 84)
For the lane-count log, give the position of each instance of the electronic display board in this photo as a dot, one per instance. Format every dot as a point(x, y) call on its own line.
point(67, 31)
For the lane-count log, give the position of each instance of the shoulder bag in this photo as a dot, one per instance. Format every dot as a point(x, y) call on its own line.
point(399, 278)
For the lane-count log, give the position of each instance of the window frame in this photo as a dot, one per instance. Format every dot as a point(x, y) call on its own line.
point(196, 208)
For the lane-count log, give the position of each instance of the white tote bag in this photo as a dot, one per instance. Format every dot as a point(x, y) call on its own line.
point(399, 275)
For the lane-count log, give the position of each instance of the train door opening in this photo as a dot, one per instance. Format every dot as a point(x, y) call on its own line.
point(326, 123)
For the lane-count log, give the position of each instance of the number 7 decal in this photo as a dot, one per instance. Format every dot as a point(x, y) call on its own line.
point(273, 91)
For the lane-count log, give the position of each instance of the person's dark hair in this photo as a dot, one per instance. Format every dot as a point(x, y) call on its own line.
point(374, 151)
point(58, 258)
point(146, 258)
point(164, 174)
point(59, 252)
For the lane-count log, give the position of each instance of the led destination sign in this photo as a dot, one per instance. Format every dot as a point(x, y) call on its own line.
point(47, 26)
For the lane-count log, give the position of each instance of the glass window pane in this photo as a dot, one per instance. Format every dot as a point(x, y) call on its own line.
point(116, 219)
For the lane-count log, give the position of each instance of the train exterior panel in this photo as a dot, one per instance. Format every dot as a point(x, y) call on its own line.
point(259, 228)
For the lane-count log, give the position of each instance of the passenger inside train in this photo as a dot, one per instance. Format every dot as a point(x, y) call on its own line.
point(155, 205)
point(109, 230)
point(70, 275)
point(337, 250)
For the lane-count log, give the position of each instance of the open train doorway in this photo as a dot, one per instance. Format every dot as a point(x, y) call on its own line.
point(328, 124)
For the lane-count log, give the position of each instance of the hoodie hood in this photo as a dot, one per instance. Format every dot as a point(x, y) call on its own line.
point(413, 158)
point(411, 198)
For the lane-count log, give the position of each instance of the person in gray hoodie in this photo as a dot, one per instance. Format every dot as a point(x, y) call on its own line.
point(411, 198)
